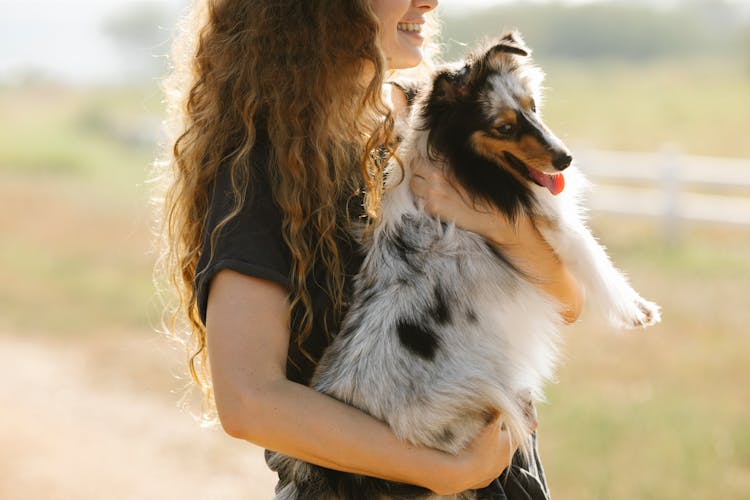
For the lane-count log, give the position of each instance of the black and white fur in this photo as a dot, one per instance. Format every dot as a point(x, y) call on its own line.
point(443, 331)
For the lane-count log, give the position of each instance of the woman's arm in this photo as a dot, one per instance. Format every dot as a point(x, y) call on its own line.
point(521, 241)
point(248, 336)
point(530, 251)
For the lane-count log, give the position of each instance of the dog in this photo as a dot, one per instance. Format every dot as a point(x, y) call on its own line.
point(444, 331)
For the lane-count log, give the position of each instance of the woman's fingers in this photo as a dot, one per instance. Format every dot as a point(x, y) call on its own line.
point(427, 178)
point(495, 447)
point(432, 183)
point(430, 194)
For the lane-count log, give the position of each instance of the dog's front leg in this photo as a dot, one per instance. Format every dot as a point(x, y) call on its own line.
point(604, 284)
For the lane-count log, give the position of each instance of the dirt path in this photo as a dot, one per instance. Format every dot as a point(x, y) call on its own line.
point(95, 420)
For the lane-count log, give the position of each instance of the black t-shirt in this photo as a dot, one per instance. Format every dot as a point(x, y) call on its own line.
point(251, 243)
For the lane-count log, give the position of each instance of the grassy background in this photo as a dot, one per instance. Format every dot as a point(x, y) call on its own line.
point(699, 106)
point(660, 414)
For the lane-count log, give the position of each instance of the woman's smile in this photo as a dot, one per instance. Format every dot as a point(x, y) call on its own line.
point(401, 23)
point(412, 30)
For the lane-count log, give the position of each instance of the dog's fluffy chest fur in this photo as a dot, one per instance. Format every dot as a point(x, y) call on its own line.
point(442, 331)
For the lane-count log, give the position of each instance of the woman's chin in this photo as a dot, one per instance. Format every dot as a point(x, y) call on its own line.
point(406, 59)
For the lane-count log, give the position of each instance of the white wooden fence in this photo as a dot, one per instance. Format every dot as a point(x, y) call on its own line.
point(669, 185)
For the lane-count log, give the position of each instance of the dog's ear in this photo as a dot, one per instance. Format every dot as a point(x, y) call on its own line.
point(450, 86)
point(508, 46)
point(509, 43)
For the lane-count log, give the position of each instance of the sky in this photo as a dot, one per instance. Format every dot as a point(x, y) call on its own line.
point(65, 40)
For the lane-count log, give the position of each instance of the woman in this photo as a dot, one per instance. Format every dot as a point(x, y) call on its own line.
point(283, 107)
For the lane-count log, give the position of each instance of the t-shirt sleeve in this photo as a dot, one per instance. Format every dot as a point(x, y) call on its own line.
point(251, 243)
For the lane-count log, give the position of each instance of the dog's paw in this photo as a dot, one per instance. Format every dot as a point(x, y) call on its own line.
point(640, 314)
point(651, 313)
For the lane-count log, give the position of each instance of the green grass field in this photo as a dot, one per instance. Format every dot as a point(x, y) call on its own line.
point(701, 107)
point(657, 414)
point(661, 413)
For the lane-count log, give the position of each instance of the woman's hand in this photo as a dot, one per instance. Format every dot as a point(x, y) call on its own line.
point(444, 198)
point(481, 462)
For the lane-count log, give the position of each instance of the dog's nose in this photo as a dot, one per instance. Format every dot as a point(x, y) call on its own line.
point(561, 162)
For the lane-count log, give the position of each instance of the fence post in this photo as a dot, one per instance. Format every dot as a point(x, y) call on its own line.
point(670, 177)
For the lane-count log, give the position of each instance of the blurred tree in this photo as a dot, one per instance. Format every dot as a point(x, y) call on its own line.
point(607, 30)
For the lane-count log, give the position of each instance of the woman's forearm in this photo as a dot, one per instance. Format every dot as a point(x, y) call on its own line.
point(248, 338)
point(529, 251)
point(299, 422)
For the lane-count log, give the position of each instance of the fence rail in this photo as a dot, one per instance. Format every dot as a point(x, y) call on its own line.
point(669, 185)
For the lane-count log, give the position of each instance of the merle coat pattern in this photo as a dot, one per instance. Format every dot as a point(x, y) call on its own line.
point(444, 331)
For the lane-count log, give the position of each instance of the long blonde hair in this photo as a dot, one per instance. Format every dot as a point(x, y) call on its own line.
point(297, 66)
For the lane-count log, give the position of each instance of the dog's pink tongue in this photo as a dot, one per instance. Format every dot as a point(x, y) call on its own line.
point(555, 183)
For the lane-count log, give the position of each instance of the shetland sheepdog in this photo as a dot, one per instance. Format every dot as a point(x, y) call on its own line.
point(444, 331)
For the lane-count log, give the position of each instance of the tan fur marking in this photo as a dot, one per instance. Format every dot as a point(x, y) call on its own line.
point(531, 147)
point(506, 116)
point(493, 149)
point(534, 154)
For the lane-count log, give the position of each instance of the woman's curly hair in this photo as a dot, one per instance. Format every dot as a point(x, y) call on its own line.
point(312, 72)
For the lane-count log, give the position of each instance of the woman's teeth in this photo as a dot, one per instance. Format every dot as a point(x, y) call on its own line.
point(414, 28)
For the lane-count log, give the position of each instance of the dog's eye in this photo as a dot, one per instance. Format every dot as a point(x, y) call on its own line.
point(505, 129)
point(533, 106)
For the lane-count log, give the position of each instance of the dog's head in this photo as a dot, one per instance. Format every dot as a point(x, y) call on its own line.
point(483, 119)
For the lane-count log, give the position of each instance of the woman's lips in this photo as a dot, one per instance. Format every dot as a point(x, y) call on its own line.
point(413, 31)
